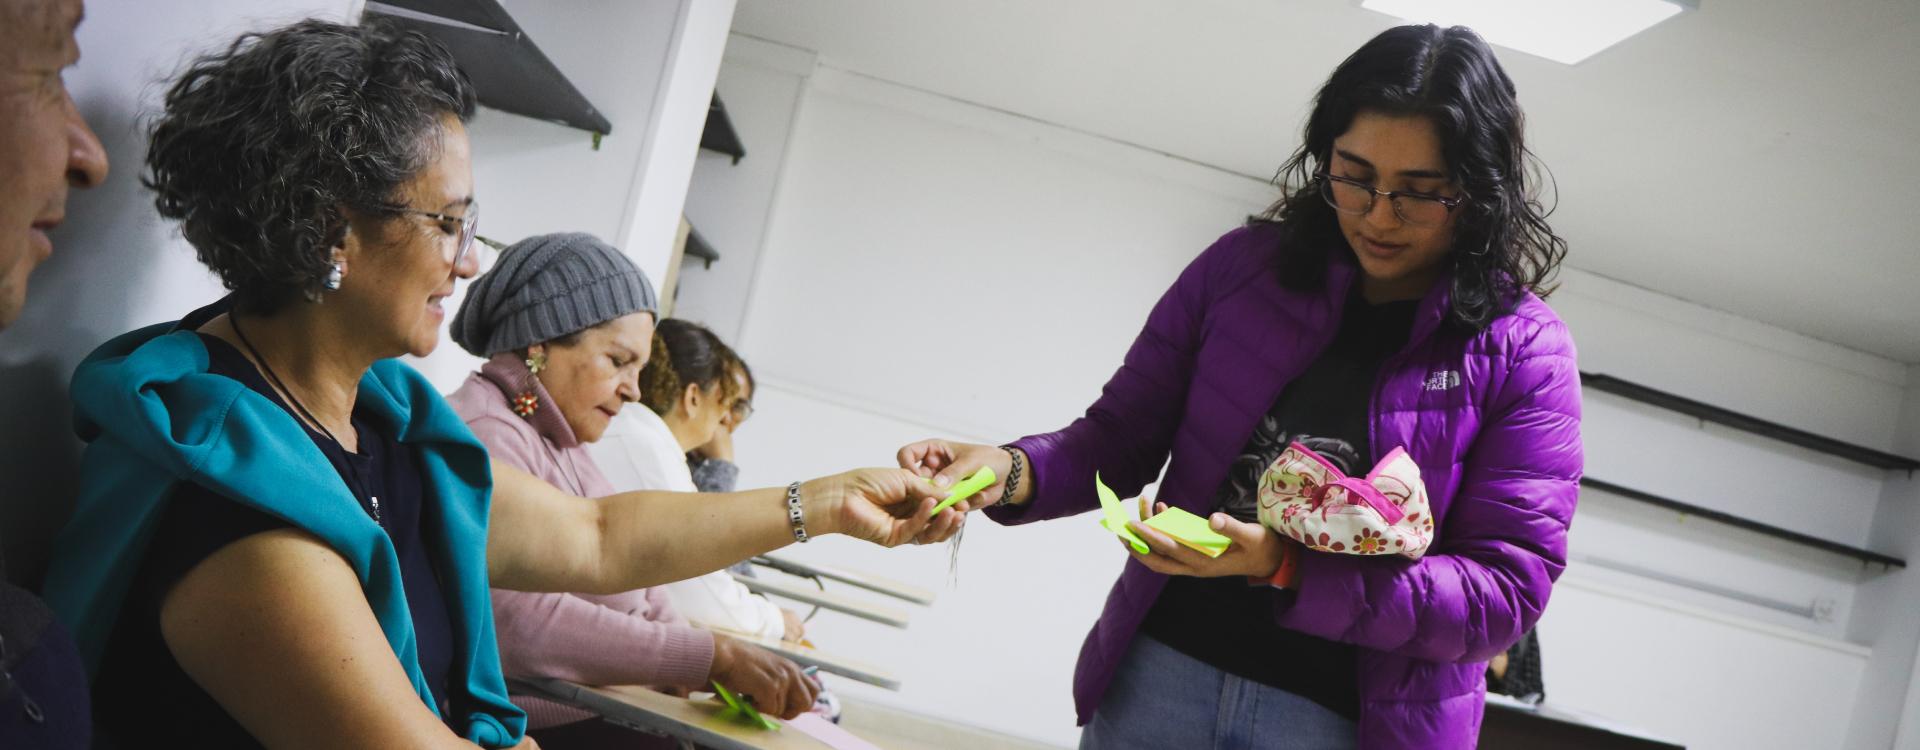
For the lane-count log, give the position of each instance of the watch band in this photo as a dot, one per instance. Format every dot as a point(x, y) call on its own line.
point(796, 516)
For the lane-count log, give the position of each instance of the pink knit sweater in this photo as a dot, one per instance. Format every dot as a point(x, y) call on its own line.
point(633, 638)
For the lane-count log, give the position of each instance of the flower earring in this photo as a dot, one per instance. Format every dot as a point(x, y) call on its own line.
point(338, 272)
point(527, 403)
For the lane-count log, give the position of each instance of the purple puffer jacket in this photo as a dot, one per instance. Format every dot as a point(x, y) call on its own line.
point(1493, 419)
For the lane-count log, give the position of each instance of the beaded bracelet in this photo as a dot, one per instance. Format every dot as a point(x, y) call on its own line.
point(1013, 478)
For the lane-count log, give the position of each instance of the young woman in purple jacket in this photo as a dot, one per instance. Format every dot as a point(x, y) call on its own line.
point(1390, 298)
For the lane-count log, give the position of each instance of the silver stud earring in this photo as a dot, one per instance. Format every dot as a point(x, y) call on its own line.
point(334, 276)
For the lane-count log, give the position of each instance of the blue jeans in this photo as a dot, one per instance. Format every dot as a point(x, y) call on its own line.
point(1161, 698)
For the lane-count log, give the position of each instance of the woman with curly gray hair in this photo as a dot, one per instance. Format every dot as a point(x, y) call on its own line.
point(284, 536)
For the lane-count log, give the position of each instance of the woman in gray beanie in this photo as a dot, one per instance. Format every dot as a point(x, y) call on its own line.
point(566, 322)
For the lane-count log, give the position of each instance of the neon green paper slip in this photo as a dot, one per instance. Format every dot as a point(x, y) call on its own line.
point(1113, 515)
point(742, 710)
point(967, 488)
point(1190, 530)
point(1185, 528)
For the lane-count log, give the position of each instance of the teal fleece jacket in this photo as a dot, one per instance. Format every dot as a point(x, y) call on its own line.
point(153, 416)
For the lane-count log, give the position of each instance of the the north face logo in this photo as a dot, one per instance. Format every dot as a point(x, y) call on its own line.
point(1443, 380)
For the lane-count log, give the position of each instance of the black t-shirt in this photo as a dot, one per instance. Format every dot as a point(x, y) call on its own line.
point(142, 697)
point(1229, 624)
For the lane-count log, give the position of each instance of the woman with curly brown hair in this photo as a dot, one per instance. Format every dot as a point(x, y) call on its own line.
point(284, 536)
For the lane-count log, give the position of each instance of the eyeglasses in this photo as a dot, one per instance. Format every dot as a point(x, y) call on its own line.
point(1351, 196)
point(742, 408)
point(469, 227)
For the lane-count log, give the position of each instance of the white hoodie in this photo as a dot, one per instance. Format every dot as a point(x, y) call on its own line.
point(639, 452)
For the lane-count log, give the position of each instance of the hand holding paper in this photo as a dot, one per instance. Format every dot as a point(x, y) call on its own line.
point(1182, 526)
point(947, 463)
point(741, 710)
point(1175, 542)
point(1253, 550)
point(1190, 530)
point(966, 488)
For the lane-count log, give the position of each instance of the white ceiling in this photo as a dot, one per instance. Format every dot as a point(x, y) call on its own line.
point(1757, 156)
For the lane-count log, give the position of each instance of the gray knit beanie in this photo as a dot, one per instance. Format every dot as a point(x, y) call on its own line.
point(546, 287)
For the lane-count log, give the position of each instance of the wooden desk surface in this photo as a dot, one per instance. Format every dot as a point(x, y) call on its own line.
point(659, 713)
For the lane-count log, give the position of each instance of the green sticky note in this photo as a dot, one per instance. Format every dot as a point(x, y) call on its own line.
point(1113, 515)
point(967, 488)
point(739, 708)
point(1190, 530)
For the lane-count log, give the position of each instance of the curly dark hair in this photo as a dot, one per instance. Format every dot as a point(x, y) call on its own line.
point(1502, 243)
point(262, 145)
point(686, 353)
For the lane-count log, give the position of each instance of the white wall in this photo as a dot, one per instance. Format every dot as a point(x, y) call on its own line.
point(679, 116)
point(1749, 367)
point(939, 276)
point(1890, 692)
point(116, 266)
point(931, 267)
point(1693, 674)
point(650, 68)
point(730, 203)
